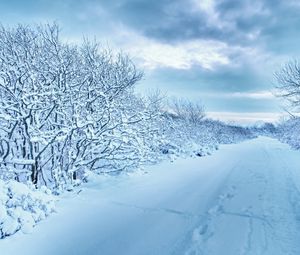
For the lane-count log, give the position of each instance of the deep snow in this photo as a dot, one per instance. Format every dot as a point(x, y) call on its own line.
point(244, 199)
point(22, 206)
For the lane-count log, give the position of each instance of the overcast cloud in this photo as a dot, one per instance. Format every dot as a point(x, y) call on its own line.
point(221, 52)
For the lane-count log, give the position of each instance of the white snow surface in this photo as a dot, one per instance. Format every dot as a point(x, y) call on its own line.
point(21, 207)
point(243, 199)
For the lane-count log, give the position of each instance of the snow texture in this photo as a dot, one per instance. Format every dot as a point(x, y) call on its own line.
point(289, 132)
point(241, 200)
point(21, 207)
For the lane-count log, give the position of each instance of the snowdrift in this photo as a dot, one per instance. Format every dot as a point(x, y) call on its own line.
point(21, 207)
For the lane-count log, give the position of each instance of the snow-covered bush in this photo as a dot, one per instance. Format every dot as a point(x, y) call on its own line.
point(289, 132)
point(21, 207)
point(67, 109)
point(182, 136)
point(265, 129)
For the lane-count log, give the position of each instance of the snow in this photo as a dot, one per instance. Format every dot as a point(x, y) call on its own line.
point(243, 199)
point(289, 132)
point(23, 161)
point(21, 207)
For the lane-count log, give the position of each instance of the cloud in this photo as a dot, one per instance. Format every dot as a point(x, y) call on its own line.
point(182, 20)
point(259, 95)
point(248, 23)
point(152, 54)
point(246, 118)
point(170, 21)
point(208, 54)
point(253, 95)
point(224, 51)
point(251, 23)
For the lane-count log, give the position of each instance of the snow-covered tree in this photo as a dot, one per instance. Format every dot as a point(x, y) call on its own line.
point(64, 108)
point(288, 83)
point(288, 87)
point(67, 109)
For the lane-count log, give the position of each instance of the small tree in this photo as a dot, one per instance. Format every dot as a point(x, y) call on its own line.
point(288, 87)
point(192, 112)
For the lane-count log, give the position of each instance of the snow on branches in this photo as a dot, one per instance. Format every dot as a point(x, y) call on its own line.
point(68, 109)
point(63, 108)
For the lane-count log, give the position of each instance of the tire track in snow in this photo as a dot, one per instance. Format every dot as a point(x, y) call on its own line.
point(293, 194)
point(260, 225)
point(266, 224)
point(203, 233)
point(186, 215)
point(194, 241)
point(279, 206)
point(249, 207)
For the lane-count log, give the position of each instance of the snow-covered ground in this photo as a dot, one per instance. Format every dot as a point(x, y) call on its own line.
point(22, 206)
point(244, 199)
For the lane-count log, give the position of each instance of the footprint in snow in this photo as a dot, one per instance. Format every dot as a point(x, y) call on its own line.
point(216, 210)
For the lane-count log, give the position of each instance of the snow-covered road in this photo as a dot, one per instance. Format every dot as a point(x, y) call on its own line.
point(244, 199)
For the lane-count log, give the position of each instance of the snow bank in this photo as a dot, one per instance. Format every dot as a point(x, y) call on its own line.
point(184, 139)
point(289, 132)
point(21, 207)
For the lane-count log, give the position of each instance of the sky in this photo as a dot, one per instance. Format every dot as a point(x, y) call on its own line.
point(222, 53)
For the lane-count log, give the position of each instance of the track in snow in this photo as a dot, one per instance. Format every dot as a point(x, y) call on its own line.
point(244, 199)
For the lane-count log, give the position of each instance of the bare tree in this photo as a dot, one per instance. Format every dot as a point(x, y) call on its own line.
point(192, 112)
point(288, 79)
